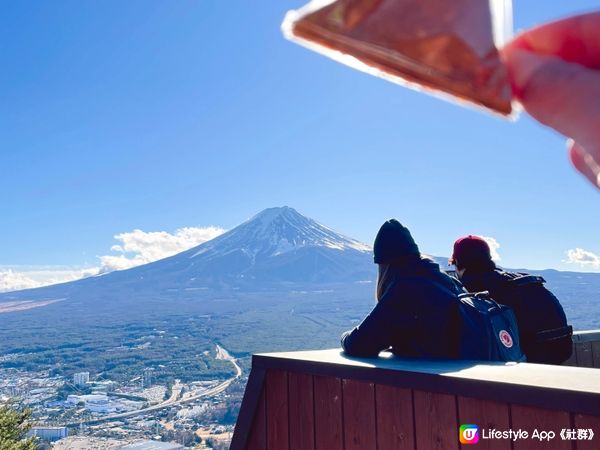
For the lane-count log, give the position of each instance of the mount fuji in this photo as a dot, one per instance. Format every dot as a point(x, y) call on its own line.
point(281, 245)
point(277, 246)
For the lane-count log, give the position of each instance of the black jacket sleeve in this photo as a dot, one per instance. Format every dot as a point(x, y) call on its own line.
point(377, 330)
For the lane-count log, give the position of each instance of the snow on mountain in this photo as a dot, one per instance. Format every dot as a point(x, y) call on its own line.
point(275, 231)
point(278, 245)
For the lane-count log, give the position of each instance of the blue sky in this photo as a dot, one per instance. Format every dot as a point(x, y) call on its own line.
point(156, 115)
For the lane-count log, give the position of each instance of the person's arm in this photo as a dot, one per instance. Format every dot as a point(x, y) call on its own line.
point(376, 331)
point(555, 74)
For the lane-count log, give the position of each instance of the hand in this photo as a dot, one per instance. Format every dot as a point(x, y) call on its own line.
point(555, 73)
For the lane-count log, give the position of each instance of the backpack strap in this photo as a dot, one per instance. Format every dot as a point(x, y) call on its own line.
point(437, 283)
point(526, 280)
point(554, 334)
point(483, 295)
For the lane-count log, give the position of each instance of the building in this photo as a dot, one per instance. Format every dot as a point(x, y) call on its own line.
point(99, 403)
point(49, 433)
point(81, 378)
point(87, 443)
point(153, 445)
point(102, 386)
point(147, 378)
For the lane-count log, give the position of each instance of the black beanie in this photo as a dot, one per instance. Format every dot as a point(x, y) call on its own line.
point(393, 243)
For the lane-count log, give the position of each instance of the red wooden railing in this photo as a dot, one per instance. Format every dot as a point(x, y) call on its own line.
point(322, 400)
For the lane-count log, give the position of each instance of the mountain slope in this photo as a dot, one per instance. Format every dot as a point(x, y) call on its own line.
point(278, 245)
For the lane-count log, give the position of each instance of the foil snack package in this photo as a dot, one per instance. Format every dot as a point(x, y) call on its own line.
point(446, 47)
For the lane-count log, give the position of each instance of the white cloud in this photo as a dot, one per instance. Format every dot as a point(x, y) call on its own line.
point(63, 275)
point(494, 246)
point(583, 258)
point(141, 247)
point(13, 281)
point(134, 248)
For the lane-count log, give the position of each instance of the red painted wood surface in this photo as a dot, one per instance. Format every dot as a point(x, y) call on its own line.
point(436, 424)
point(395, 425)
point(486, 415)
point(328, 413)
point(588, 422)
point(529, 419)
point(276, 386)
point(359, 415)
point(258, 433)
point(300, 411)
point(302, 420)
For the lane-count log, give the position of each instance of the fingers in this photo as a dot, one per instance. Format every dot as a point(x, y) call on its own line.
point(562, 95)
point(584, 163)
point(555, 74)
point(575, 39)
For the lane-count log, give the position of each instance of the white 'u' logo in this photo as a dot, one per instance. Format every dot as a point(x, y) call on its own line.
point(469, 434)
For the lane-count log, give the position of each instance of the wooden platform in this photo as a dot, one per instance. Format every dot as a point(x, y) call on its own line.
point(323, 400)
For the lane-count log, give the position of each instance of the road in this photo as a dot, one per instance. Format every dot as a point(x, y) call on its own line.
point(176, 391)
point(224, 354)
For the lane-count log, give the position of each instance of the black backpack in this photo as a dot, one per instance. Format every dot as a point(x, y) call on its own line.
point(489, 330)
point(545, 335)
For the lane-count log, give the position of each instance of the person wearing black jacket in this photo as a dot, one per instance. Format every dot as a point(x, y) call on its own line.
point(543, 330)
point(417, 313)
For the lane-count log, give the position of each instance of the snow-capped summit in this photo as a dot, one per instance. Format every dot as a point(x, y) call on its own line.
point(275, 231)
point(280, 244)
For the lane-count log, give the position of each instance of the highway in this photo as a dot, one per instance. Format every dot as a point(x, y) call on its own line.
point(176, 391)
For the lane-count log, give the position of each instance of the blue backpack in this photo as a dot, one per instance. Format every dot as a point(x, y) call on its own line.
point(489, 330)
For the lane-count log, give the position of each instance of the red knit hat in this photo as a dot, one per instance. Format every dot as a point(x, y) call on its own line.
point(470, 249)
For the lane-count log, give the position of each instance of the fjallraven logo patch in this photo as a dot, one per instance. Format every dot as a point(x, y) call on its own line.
point(506, 338)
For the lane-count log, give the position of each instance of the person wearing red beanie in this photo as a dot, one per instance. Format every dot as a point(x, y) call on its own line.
point(544, 333)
